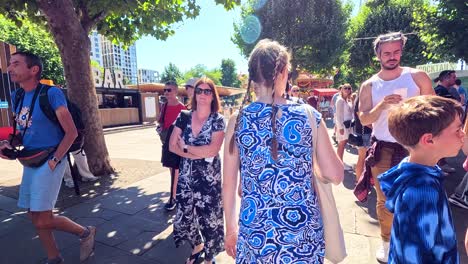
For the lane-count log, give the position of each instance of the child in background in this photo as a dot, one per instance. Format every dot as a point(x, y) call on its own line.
point(430, 127)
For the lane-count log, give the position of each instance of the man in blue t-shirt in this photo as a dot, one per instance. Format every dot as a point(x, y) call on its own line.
point(40, 185)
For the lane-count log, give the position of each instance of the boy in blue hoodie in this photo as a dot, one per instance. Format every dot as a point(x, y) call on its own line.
point(430, 128)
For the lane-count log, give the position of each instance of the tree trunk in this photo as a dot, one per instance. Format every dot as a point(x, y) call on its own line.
point(74, 46)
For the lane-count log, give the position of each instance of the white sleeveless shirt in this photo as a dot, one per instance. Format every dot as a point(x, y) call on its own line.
point(380, 89)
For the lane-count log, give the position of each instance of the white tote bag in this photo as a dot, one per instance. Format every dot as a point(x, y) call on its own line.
point(335, 250)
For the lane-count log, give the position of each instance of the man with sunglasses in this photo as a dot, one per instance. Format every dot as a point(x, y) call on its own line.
point(385, 90)
point(40, 183)
point(169, 112)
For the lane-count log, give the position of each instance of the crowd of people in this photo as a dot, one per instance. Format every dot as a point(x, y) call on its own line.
point(277, 157)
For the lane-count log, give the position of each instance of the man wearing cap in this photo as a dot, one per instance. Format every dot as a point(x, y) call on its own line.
point(189, 88)
point(378, 94)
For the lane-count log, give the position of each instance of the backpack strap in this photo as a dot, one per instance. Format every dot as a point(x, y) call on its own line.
point(19, 95)
point(44, 103)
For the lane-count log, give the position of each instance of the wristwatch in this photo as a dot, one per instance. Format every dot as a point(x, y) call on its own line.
point(185, 149)
point(53, 158)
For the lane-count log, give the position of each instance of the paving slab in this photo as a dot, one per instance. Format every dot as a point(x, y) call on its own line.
point(141, 243)
point(128, 202)
point(9, 221)
point(9, 204)
point(104, 254)
point(90, 210)
point(359, 249)
point(113, 233)
point(166, 253)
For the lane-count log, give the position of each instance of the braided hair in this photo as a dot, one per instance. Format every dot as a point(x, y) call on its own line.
point(266, 62)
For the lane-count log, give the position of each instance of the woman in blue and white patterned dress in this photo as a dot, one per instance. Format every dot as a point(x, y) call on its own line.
point(270, 140)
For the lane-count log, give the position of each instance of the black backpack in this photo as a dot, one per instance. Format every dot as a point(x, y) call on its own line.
point(50, 113)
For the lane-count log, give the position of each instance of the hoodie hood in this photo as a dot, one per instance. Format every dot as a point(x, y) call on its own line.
point(395, 181)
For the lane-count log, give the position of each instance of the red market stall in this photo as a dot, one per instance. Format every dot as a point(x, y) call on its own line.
point(325, 92)
point(324, 98)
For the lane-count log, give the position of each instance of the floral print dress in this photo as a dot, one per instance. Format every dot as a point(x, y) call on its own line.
point(199, 214)
point(280, 220)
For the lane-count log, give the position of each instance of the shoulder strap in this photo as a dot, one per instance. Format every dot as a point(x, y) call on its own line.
point(31, 109)
point(313, 126)
point(44, 103)
point(163, 113)
point(18, 96)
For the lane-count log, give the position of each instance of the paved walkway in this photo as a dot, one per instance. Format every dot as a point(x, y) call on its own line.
point(133, 226)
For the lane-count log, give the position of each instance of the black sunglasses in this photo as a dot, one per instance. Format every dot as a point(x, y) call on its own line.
point(347, 88)
point(205, 91)
point(167, 90)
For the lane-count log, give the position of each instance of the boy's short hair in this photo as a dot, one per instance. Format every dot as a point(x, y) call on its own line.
point(421, 115)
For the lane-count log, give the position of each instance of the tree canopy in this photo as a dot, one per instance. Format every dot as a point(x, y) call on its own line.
point(70, 23)
point(313, 30)
point(444, 28)
point(35, 39)
point(171, 73)
point(375, 18)
point(122, 21)
point(229, 74)
point(201, 70)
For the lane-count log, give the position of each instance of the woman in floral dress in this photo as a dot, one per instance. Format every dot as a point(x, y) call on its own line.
point(199, 213)
point(270, 140)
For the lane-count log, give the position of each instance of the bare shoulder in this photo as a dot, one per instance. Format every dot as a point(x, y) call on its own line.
point(423, 81)
point(366, 86)
point(417, 73)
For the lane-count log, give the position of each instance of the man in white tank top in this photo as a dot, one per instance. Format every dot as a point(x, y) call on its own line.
point(377, 95)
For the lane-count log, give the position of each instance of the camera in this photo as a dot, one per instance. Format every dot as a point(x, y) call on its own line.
point(10, 153)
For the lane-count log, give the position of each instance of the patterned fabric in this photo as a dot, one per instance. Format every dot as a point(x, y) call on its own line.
point(280, 219)
point(199, 214)
point(422, 230)
point(366, 181)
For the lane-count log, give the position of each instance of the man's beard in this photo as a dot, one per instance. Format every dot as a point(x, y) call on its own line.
point(389, 68)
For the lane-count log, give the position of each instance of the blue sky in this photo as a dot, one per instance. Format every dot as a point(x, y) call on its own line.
point(203, 40)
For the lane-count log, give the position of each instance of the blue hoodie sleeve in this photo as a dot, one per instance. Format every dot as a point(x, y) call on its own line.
point(418, 227)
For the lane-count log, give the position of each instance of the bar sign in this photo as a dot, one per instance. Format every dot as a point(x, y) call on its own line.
point(3, 104)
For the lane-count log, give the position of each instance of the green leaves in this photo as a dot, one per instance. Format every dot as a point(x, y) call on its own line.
point(34, 38)
point(171, 73)
point(121, 21)
point(313, 30)
point(375, 18)
point(229, 74)
point(444, 29)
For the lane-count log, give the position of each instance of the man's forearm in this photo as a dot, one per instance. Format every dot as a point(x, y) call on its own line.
point(371, 116)
point(65, 144)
